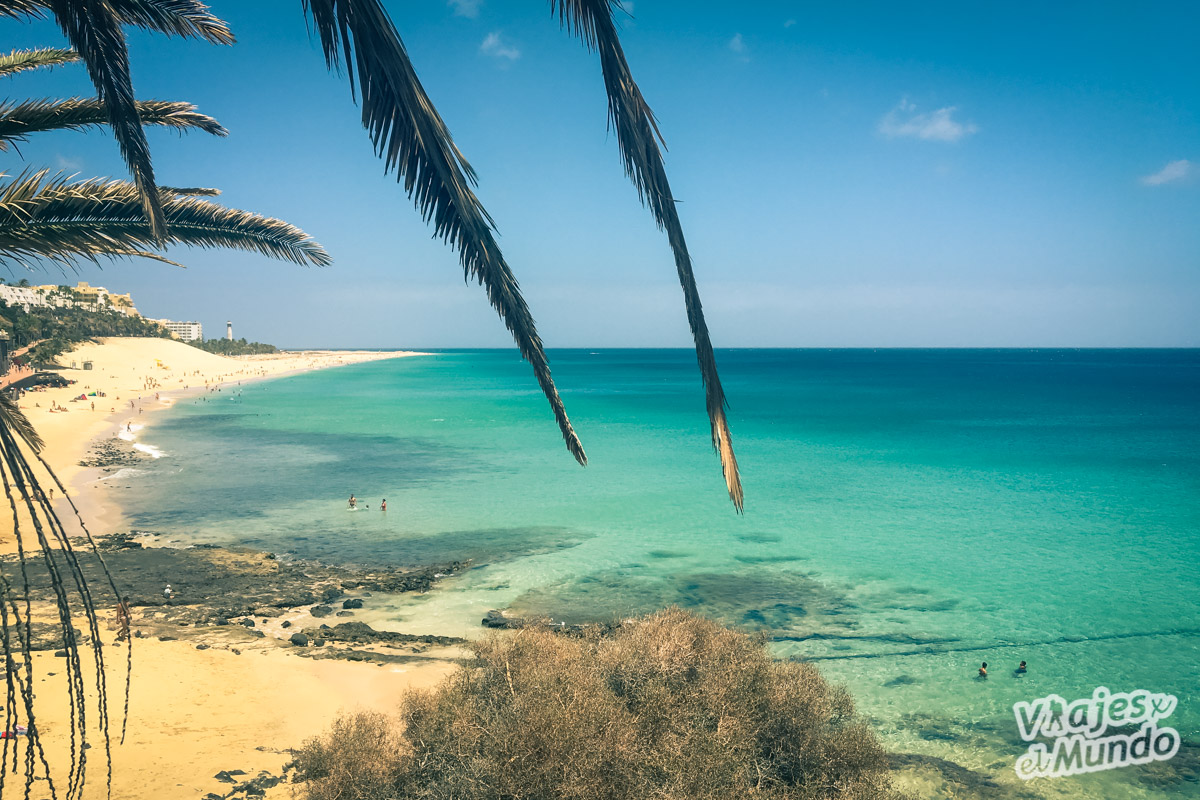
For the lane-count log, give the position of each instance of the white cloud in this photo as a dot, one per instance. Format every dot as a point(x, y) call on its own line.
point(496, 46)
point(789, 23)
point(465, 8)
point(737, 44)
point(936, 126)
point(1175, 171)
point(68, 164)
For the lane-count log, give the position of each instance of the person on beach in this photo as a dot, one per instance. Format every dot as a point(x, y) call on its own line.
point(983, 670)
point(123, 619)
point(353, 502)
point(167, 593)
point(383, 504)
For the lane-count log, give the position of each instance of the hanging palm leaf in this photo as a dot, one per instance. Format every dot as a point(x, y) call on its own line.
point(413, 141)
point(638, 136)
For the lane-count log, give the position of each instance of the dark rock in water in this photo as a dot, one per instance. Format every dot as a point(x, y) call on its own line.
point(936, 735)
point(286, 624)
point(299, 639)
point(955, 773)
point(267, 611)
point(331, 593)
point(345, 614)
point(166, 638)
point(362, 633)
point(319, 643)
point(222, 621)
point(226, 775)
point(497, 619)
point(258, 634)
point(213, 796)
point(235, 651)
point(353, 603)
point(320, 611)
point(60, 653)
point(900, 680)
point(202, 646)
point(249, 623)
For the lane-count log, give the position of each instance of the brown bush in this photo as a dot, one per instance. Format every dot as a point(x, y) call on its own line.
point(669, 706)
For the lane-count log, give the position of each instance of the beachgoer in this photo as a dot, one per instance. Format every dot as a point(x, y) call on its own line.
point(123, 619)
point(353, 502)
point(167, 593)
point(1021, 669)
point(383, 505)
point(983, 670)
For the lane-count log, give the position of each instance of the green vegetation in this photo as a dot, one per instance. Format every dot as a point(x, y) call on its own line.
point(235, 347)
point(60, 329)
point(671, 706)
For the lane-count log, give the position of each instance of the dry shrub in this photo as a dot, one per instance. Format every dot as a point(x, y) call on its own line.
point(670, 706)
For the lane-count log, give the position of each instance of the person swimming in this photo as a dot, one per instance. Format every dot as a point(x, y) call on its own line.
point(983, 670)
point(1020, 670)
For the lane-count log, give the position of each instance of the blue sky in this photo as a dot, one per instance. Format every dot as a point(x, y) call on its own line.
point(851, 174)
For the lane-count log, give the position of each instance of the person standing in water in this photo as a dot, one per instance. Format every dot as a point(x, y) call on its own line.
point(983, 670)
point(383, 504)
point(353, 502)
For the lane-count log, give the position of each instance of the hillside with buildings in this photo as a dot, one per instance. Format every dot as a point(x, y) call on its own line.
point(43, 322)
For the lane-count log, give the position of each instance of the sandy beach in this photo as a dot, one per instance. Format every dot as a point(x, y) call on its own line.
point(209, 693)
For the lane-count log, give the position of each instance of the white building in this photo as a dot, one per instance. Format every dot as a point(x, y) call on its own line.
point(25, 296)
point(187, 331)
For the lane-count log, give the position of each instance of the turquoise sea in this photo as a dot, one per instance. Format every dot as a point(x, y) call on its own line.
point(909, 514)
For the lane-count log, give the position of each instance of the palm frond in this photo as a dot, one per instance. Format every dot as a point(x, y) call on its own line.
point(21, 60)
point(414, 142)
point(187, 18)
point(12, 418)
point(94, 30)
point(19, 120)
point(639, 138)
point(63, 222)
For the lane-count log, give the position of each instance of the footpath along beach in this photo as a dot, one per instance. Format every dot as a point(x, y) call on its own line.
point(236, 668)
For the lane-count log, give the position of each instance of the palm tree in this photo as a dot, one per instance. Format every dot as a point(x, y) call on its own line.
point(58, 220)
point(414, 142)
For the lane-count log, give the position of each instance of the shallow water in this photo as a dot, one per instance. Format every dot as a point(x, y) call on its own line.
point(909, 514)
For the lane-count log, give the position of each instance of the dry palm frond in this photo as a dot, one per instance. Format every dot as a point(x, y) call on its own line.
point(21, 60)
point(94, 30)
point(638, 136)
point(19, 120)
point(414, 142)
point(33, 515)
point(54, 219)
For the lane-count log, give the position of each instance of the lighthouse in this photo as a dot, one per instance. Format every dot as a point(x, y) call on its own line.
point(229, 330)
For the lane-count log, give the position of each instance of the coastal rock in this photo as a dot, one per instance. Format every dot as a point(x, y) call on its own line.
point(497, 619)
point(353, 603)
point(320, 611)
point(299, 639)
point(286, 624)
point(345, 614)
point(249, 623)
point(221, 621)
point(362, 633)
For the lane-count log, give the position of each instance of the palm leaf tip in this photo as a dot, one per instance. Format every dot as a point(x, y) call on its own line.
point(42, 57)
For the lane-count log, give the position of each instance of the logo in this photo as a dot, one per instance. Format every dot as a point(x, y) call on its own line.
point(1079, 731)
